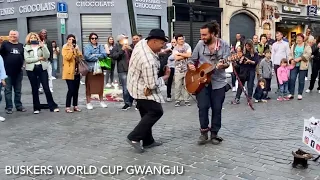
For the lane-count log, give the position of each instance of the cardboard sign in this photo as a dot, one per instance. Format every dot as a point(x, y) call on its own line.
point(311, 134)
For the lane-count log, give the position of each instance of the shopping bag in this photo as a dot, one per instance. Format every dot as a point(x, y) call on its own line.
point(311, 134)
point(105, 63)
point(97, 69)
point(83, 68)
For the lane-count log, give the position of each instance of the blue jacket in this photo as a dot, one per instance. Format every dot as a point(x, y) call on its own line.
point(92, 55)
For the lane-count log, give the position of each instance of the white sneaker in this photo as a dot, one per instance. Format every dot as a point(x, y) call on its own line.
point(53, 78)
point(89, 106)
point(108, 85)
point(308, 91)
point(299, 97)
point(306, 78)
point(234, 89)
point(40, 90)
point(317, 79)
point(2, 119)
point(36, 112)
point(169, 99)
point(319, 91)
point(103, 105)
point(51, 90)
point(81, 82)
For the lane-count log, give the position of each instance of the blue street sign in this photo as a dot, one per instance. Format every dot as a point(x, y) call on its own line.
point(62, 7)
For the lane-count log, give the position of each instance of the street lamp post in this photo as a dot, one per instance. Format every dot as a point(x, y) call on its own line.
point(190, 2)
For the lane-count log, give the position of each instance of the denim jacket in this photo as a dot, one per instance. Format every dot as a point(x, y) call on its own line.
point(92, 55)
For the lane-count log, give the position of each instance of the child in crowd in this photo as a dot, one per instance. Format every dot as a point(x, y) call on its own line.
point(3, 76)
point(265, 70)
point(261, 92)
point(283, 78)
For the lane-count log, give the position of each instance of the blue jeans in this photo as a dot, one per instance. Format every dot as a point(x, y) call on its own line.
point(206, 99)
point(126, 96)
point(284, 89)
point(250, 83)
point(54, 65)
point(15, 83)
point(301, 79)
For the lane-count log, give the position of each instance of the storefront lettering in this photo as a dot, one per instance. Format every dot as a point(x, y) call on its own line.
point(95, 3)
point(49, 6)
point(292, 9)
point(7, 11)
point(148, 4)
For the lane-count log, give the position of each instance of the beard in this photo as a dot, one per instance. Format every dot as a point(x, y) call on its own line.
point(208, 41)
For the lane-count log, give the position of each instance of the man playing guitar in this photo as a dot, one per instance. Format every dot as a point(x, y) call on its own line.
point(211, 49)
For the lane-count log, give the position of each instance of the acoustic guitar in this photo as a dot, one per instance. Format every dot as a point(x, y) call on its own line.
point(196, 80)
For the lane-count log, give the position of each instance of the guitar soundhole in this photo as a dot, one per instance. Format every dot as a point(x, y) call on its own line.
point(202, 74)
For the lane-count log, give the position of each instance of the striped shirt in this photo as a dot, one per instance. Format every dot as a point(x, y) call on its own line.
point(143, 73)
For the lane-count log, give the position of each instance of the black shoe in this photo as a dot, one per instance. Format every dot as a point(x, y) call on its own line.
point(136, 146)
point(154, 144)
point(22, 109)
point(125, 107)
point(9, 111)
point(203, 138)
point(215, 140)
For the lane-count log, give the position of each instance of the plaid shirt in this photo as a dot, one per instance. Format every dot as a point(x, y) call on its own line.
point(143, 73)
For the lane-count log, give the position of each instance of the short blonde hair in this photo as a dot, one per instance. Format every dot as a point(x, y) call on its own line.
point(29, 37)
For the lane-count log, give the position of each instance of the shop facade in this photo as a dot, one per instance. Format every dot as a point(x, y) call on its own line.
point(203, 11)
point(104, 17)
point(293, 20)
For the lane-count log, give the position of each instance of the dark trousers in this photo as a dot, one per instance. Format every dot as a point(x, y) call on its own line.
point(315, 73)
point(34, 76)
point(268, 84)
point(250, 83)
point(233, 79)
point(169, 84)
point(206, 99)
point(294, 73)
point(15, 83)
point(275, 67)
point(73, 91)
point(150, 112)
point(126, 96)
point(110, 73)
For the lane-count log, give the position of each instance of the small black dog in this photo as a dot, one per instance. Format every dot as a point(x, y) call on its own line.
point(301, 158)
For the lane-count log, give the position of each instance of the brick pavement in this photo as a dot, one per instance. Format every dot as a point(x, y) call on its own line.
point(97, 138)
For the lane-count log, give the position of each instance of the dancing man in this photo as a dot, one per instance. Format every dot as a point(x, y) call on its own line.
point(211, 49)
point(144, 85)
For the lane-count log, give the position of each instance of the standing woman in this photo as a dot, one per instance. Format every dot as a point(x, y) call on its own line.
point(171, 66)
point(36, 55)
point(94, 83)
point(71, 56)
point(56, 52)
point(300, 54)
point(110, 73)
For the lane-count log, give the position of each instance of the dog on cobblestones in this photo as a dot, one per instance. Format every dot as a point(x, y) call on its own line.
point(301, 157)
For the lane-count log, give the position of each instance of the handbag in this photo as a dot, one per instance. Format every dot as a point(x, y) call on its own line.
point(106, 62)
point(83, 68)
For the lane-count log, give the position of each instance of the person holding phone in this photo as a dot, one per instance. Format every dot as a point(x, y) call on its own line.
point(121, 54)
point(71, 56)
point(36, 54)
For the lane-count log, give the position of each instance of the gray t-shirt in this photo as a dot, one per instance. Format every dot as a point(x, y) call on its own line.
point(202, 54)
point(181, 66)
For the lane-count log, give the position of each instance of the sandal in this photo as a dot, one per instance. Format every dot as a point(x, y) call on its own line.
point(76, 109)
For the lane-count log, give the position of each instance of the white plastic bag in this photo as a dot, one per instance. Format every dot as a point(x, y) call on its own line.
point(97, 69)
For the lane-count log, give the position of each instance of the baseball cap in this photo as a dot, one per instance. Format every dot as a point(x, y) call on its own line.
point(121, 36)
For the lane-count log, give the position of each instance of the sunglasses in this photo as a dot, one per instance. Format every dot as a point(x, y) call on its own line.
point(94, 38)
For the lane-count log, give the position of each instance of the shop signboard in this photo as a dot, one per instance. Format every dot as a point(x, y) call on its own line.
point(291, 9)
point(312, 10)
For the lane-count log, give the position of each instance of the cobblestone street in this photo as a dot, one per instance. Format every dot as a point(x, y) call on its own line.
point(257, 144)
